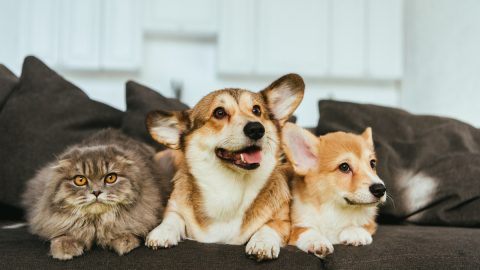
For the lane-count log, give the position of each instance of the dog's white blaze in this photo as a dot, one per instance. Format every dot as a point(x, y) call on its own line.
point(331, 218)
point(363, 195)
point(375, 179)
point(226, 193)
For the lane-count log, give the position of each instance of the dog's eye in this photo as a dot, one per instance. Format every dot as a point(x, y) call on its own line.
point(256, 110)
point(344, 167)
point(373, 163)
point(219, 113)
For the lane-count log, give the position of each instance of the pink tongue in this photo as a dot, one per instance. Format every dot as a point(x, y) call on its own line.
point(252, 157)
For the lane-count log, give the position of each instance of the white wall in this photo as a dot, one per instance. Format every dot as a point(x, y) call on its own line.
point(189, 40)
point(442, 58)
point(193, 62)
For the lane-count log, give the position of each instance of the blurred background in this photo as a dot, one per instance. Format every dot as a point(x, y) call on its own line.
point(420, 55)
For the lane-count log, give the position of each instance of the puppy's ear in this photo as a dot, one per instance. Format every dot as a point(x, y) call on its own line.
point(367, 135)
point(167, 127)
point(300, 146)
point(283, 96)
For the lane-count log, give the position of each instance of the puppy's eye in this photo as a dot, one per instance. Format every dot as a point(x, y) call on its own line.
point(111, 178)
point(373, 163)
point(80, 180)
point(344, 167)
point(256, 110)
point(219, 113)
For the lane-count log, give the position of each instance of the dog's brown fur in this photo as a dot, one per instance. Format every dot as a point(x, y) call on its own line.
point(194, 131)
point(331, 206)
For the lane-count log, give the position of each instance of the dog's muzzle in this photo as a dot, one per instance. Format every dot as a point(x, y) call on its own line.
point(248, 158)
point(254, 130)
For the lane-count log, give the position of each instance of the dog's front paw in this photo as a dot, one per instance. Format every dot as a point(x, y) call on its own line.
point(355, 236)
point(264, 244)
point(315, 243)
point(163, 236)
point(65, 248)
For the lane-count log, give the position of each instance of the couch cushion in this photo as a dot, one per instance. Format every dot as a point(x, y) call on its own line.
point(394, 247)
point(43, 115)
point(8, 80)
point(140, 101)
point(430, 164)
point(21, 250)
point(412, 247)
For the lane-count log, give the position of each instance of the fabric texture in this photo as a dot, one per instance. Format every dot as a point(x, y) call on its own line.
point(43, 115)
point(140, 101)
point(8, 80)
point(21, 250)
point(412, 247)
point(393, 247)
point(430, 165)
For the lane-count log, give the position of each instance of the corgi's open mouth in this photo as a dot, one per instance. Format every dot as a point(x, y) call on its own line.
point(248, 158)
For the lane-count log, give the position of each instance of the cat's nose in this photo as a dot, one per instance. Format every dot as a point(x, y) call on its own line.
point(96, 192)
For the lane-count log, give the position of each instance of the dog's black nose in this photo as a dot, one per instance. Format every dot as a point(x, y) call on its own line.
point(254, 130)
point(378, 190)
point(96, 192)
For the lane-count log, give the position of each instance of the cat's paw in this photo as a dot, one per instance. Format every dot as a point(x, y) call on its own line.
point(355, 236)
point(65, 248)
point(315, 243)
point(163, 236)
point(125, 243)
point(264, 245)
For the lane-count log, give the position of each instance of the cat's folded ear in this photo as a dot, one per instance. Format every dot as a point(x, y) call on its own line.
point(61, 164)
point(283, 96)
point(167, 127)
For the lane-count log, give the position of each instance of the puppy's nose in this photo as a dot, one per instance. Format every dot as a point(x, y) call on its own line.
point(378, 190)
point(254, 130)
point(96, 192)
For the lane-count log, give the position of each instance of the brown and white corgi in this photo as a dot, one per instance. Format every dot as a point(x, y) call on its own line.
point(230, 186)
point(336, 191)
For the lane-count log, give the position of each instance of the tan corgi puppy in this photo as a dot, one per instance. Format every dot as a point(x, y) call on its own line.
point(230, 186)
point(336, 191)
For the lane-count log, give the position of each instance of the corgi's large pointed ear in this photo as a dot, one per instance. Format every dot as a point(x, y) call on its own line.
point(368, 136)
point(301, 148)
point(284, 95)
point(167, 127)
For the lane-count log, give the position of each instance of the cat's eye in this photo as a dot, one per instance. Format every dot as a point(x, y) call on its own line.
point(373, 163)
point(80, 180)
point(344, 167)
point(256, 110)
point(219, 113)
point(111, 178)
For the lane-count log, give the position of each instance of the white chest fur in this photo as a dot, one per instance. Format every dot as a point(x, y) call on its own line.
point(226, 194)
point(330, 219)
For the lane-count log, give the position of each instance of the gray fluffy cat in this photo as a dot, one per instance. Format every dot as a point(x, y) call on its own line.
point(105, 190)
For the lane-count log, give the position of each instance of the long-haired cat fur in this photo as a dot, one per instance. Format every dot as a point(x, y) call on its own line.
point(104, 190)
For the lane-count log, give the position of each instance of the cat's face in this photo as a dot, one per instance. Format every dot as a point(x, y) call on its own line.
point(95, 180)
